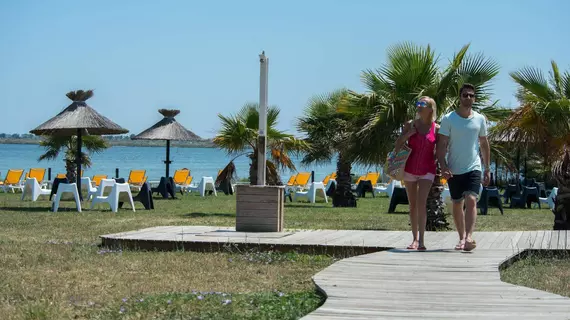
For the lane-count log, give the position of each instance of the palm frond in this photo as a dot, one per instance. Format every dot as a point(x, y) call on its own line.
point(533, 81)
point(556, 79)
point(233, 135)
point(566, 85)
point(94, 144)
point(479, 71)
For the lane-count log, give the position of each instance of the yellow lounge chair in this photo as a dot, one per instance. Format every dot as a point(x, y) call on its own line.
point(302, 179)
point(180, 176)
point(360, 179)
point(292, 180)
point(182, 179)
point(329, 177)
point(97, 179)
point(64, 175)
point(137, 178)
point(38, 173)
point(373, 177)
point(12, 180)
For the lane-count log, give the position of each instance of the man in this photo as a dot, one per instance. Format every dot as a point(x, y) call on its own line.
point(462, 133)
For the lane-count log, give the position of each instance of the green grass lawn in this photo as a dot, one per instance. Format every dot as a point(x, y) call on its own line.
point(52, 267)
point(546, 271)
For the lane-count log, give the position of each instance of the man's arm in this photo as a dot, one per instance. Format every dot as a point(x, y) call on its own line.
point(442, 142)
point(485, 152)
point(484, 144)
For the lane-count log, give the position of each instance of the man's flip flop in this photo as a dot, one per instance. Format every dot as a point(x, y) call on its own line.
point(470, 245)
point(422, 248)
point(460, 246)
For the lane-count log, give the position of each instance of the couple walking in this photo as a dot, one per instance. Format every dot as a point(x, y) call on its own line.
point(456, 143)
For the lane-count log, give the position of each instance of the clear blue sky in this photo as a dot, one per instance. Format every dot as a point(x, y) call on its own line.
point(202, 56)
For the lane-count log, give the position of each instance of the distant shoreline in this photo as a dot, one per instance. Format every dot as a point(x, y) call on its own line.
point(127, 143)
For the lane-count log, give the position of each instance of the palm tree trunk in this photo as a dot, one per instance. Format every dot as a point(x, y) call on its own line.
point(343, 196)
point(436, 219)
point(253, 168)
point(561, 209)
point(71, 170)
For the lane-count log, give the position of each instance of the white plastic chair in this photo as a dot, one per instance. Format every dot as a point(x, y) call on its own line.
point(550, 199)
point(311, 194)
point(446, 195)
point(66, 188)
point(329, 184)
point(105, 183)
point(87, 185)
point(113, 198)
point(389, 189)
point(33, 189)
point(206, 183)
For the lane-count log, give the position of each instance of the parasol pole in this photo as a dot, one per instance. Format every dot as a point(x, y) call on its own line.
point(262, 140)
point(167, 161)
point(78, 161)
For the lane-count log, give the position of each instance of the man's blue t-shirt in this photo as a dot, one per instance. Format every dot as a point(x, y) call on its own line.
point(463, 147)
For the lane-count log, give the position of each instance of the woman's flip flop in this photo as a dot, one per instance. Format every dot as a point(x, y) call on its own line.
point(470, 245)
point(460, 245)
point(413, 246)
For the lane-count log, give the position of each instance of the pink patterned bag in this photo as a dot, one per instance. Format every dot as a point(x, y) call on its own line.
point(396, 163)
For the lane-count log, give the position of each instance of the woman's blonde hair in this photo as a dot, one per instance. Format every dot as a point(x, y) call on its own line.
point(431, 103)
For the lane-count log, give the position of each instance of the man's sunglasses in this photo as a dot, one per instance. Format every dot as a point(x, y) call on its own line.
point(421, 104)
point(468, 95)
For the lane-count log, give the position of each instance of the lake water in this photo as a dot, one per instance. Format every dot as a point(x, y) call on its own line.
point(201, 162)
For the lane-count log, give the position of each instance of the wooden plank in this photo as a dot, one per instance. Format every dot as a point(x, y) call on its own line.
point(382, 284)
point(513, 242)
point(489, 240)
point(524, 241)
point(555, 235)
point(546, 240)
point(537, 242)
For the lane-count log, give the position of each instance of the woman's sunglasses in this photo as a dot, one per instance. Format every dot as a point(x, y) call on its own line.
point(421, 104)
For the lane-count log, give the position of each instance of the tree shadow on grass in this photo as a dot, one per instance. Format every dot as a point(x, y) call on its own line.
point(212, 214)
point(31, 209)
point(396, 212)
point(306, 206)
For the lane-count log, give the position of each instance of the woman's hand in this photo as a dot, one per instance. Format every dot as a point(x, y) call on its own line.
point(412, 130)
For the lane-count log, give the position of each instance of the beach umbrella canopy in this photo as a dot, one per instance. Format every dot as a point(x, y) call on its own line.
point(78, 116)
point(78, 119)
point(167, 129)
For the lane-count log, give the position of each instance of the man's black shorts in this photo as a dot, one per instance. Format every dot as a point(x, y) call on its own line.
point(463, 184)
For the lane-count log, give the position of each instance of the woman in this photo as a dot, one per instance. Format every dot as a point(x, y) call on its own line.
point(420, 170)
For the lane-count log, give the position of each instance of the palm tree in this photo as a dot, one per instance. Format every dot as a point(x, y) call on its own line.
point(326, 132)
point(412, 71)
point(54, 145)
point(238, 135)
point(542, 122)
point(561, 210)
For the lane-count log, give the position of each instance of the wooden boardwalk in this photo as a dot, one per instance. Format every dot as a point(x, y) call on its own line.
point(440, 283)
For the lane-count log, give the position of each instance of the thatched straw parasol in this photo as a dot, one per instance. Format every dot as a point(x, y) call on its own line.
point(167, 129)
point(78, 119)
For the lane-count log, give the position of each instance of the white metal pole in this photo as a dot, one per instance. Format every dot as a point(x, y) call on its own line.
point(262, 139)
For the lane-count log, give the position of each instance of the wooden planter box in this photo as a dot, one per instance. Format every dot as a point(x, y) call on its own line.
point(259, 208)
